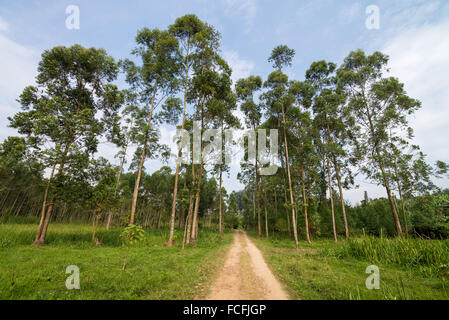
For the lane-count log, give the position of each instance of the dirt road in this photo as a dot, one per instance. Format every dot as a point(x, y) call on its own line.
point(245, 275)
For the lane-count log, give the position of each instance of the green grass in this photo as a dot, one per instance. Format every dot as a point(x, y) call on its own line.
point(153, 271)
point(325, 270)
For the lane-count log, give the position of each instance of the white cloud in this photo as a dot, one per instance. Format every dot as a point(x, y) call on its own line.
point(350, 13)
point(419, 58)
point(241, 68)
point(4, 27)
point(244, 8)
point(18, 65)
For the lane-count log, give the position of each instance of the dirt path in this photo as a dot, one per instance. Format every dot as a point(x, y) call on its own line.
point(245, 275)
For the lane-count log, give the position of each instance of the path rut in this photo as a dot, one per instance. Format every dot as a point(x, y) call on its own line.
point(245, 275)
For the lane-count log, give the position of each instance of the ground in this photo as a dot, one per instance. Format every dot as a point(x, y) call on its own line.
point(318, 272)
point(153, 271)
point(222, 266)
point(245, 275)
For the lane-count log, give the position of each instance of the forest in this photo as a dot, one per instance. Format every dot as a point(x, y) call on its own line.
point(340, 122)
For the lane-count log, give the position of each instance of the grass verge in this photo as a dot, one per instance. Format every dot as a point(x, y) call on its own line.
point(325, 270)
point(153, 270)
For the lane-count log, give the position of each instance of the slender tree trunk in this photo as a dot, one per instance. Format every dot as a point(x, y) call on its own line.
point(48, 214)
point(304, 199)
point(342, 200)
point(122, 163)
point(259, 226)
point(384, 175)
point(331, 197)
point(193, 235)
point(404, 214)
point(44, 206)
point(178, 161)
point(292, 203)
point(94, 239)
point(266, 215)
point(220, 211)
point(142, 160)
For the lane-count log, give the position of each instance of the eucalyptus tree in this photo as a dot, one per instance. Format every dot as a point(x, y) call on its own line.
point(379, 104)
point(246, 90)
point(102, 191)
point(21, 176)
point(60, 114)
point(278, 101)
point(303, 132)
point(212, 93)
point(151, 82)
point(187, 31)
point(226, 121)
point(121, 140)
point(325, 106)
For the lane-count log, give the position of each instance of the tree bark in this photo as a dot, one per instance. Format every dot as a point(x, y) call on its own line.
point(331, 197)
point(220, 211)
point(304, 197)
point(122, 163)
point(342, 200)
point(44, 206)
point(292, 203)
point(142, 160)
point(384, 175)
point(178, 161)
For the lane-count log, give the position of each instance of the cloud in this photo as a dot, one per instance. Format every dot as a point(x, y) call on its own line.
point(349, 13)
point(18, 64)
point(418, 57)
point(243, 8)
point(241, 68)
point(4, 27)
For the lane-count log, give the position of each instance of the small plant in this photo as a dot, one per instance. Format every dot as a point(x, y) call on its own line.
point(131, 235)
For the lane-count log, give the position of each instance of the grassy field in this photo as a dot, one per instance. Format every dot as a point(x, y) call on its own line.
point(153, 271)
point(409, 269)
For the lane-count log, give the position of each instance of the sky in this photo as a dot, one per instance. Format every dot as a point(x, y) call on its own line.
point(414, 33)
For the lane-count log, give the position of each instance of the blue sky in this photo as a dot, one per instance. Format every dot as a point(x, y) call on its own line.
point(414, 33)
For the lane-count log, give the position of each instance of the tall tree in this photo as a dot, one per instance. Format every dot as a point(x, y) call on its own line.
point(378, 103)
point(158, 51)
point(278, 102)
point(246, 89)
point(186, 30)
point(73, 87)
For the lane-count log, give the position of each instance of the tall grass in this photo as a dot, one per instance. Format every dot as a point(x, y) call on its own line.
point(80, 236)
point(427, 256)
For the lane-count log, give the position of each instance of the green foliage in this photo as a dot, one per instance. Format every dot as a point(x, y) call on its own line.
point(132, 234)
point(429, 257)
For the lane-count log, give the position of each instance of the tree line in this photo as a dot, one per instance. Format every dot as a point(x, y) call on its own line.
point(337, 123)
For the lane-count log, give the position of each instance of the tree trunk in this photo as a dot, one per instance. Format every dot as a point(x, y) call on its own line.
point(331, 197)
point(220, 210)
point(292, 203)
point(193, 235)
point(384, 175)
point(122, 163)
point(178, 161)
point(44, 206)
point(259, 226)
point(404, 214)
point(266, 216)
point(342, 200)
point(304, 199)
point(142, 160)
